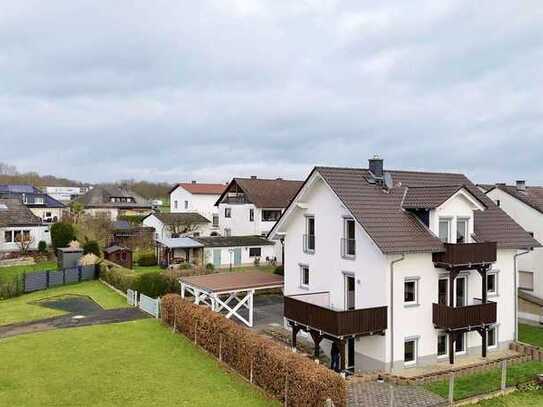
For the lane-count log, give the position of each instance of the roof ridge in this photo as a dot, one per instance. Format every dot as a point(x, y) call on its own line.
point(390, 170)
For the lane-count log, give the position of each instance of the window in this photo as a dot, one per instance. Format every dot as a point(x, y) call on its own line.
point(442, 345)
point(47, 214)
point(410, 352)
point(309, 237)
point(526, 280)
point(460, 344)
point(227, 212)
point(304, 276)
point(186, 204)
point(17, 235)
point(498, 202)
point(227, 232)
point(348, 243)
point(410, 291)
point(251, 215)
point(215, 220)
point(255, 251)
point(443, 291)
point(492, 337)
point(462, 230)
point(492, 284)
point(271, 215)
point(444, 230)
point(175, 204)
point(26, 235)
point(8, 236)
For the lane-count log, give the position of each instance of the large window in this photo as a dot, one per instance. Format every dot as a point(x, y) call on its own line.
point(492, 284)
point(410, 291)
point(410, 352)
point(304, 276)
point(227, 212)
point(255, 252)
point(348, 242)
point(14, 236)
point(462, 230)
point(271, 215)
point(442, 345)
point(309, 236)
point(443, 291)
point(445, 230)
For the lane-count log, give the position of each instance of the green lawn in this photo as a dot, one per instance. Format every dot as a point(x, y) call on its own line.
point(487, 382)
point(147, 269)
point(20, 309)
point(531, 334)
point(139, 363)
point(532, 398)
point(7, 273)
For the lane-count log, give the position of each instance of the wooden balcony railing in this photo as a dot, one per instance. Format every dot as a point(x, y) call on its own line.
point(336, 323)
point(466, 254)
point(470, 316)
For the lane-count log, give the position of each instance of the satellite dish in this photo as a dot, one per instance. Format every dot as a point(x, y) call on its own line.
point(387, 179)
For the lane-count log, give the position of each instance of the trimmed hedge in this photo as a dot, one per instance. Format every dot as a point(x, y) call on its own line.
point(118, 276)
point(274, 368)
point(147, 259)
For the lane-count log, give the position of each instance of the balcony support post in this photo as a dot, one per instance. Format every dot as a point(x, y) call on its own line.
point(317, 338)
point(452, 277)
point(295, 330)
point(342, 345)
point(452, 340)
point(484, 289)
point(484, 346)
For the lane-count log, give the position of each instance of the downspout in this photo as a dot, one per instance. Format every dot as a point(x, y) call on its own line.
point(516, 289)
point(391, 329)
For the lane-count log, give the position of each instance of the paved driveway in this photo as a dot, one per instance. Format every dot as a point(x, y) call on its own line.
point(388, 395)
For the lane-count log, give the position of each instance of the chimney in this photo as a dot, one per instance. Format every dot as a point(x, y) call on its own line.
point(279, 179)
point(376, 166)
point(521, 185)
point(253, 176)
point(194, 182)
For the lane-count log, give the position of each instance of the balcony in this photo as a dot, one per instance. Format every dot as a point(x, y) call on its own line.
point(309, 243)
point(311, 311)
point(467, 317)
point(465, 255)
point(348, 248)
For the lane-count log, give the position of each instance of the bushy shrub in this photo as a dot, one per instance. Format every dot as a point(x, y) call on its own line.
point(280, 270)
point(133, 219)
point(210, 267)
point(156, 285)
point(62, 234)
point(256, 261)
point(147, 259)
point(271, 366)
point(118, 276)
point(42, 246)
point(91, 246)
point(185, 266)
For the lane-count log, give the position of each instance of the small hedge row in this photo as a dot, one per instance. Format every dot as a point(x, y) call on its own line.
point(274, 368)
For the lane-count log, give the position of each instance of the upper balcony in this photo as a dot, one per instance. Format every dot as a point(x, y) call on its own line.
point(314, 312)
point(465, 255)
point(467, 317)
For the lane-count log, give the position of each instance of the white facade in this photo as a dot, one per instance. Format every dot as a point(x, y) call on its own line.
point(371, 269)
point(65, 194)
point(530, 265)
point(182, 200)
point(244, 220)
point(223, 257)
point(8, 236)
point(48, 214)
point(163, 231)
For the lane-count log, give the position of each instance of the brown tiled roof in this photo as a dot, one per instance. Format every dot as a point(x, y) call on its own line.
point(532, 196)
point(266, 193)
point(14, 213)
point(429, 197)
point(396, 230)
point(242, 280)
point(99, 197)
point(180, 217)
point(233, 241)
point(202, 189)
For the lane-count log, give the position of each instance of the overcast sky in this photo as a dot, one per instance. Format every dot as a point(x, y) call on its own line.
point(207, 90)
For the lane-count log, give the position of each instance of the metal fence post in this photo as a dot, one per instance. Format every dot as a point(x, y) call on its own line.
point(47, 279)
point(79, 273)
point(504, 375)
point(451, 389)
point(63, 276)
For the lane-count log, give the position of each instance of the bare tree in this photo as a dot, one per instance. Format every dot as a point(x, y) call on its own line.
point(24, 241)
point(182, 227)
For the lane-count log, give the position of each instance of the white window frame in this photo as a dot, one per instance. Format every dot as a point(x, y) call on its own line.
point(416, 301)
point(465, 350)
point(446, 346)
point(415, 351)
point(175, 203)
point(466, 231)
point(449, 223)
point(251, 215)
point(302, 284)
point(186, 204)
point(448, 281)
point(306, 248)
point(496, 332)
point(250, 248)
point(344, 253)
point(214, 223)
point(228, 212)
point(496, 291)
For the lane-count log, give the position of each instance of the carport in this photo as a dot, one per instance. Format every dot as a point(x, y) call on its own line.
point(230, 293)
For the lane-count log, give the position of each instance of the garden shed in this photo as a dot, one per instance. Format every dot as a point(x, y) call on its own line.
point(68, 257)
point(119, 255)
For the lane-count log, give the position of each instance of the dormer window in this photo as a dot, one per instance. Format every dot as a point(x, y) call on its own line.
point(445, 230)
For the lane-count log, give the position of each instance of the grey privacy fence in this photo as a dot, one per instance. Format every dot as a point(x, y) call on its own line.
point(40, 280)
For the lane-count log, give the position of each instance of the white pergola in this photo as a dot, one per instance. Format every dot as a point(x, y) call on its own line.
point(230, 293)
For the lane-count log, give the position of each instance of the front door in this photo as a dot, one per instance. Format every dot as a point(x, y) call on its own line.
point(350, 353)
point(349, 292)
point(237, 256)
point(217, 257)
point(461, 299)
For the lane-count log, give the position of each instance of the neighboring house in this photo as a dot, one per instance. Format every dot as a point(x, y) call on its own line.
point(235, 251)
point(124, 233)
point(18, 223)
point(399, 268)
point(114, 201)
point(525, 205)
point(167, 225)
point(44, 206)
point(197, 197)
point(66, 194)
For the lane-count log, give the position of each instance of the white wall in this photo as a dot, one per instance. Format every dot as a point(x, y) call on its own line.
point(266, 251)
point(455, 207)
point(38, 234)
point(42, 212)
point(162, 231)
point(532, 221)
point(204, 204)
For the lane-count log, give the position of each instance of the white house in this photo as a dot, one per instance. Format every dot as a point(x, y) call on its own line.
point(235, 251)
point(66, 194)
point(399, 268)
point(44, 206)
point(180, 224)
point(197, 197)
point(525, 205)
point(19, 226)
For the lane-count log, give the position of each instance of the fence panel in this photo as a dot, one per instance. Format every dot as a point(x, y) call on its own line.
point(35, 281)
point(88, 272)
point(149, 305)
point(56, 278)
point(72, 275)
point(132, 297)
